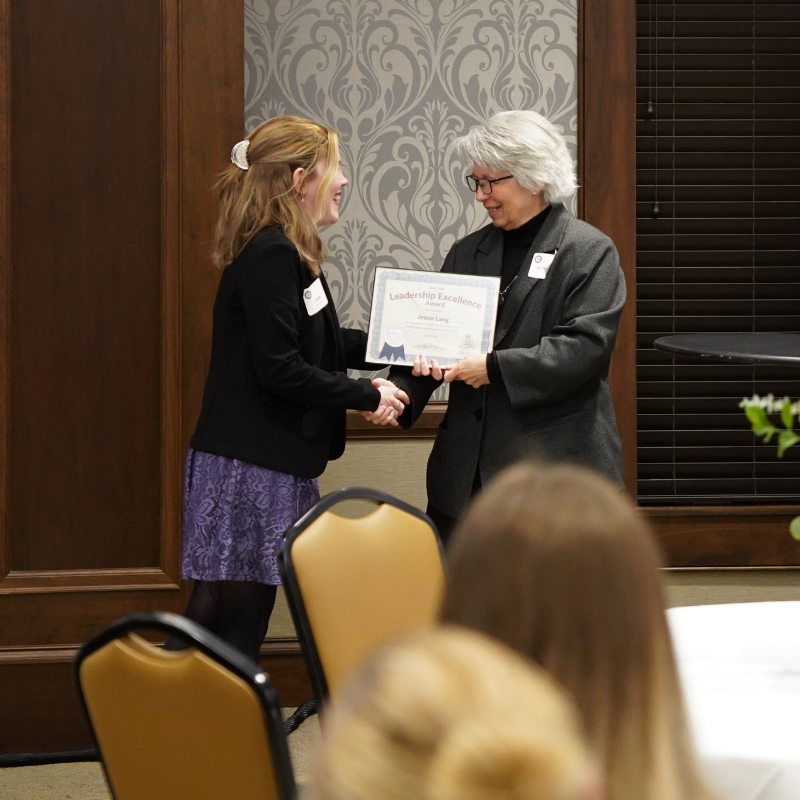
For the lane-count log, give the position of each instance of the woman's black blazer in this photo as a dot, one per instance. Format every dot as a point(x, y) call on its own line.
point(277, 385)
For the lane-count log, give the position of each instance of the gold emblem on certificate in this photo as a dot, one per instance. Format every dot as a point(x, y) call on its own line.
point(439, 315)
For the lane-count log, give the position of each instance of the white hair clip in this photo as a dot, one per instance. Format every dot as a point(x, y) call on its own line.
point(239, 154)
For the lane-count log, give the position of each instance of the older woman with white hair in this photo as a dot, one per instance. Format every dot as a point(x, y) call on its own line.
point(543, 390)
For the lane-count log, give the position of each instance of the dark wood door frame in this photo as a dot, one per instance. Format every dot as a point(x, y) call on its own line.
point(607, 176)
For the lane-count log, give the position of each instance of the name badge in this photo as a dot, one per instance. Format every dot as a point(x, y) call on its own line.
point(315, 298)
point(540, 264)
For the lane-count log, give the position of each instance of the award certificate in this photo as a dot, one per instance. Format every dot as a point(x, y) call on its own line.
point(439, 315)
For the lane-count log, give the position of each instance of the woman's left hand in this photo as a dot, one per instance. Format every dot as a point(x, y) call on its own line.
point(471, 370)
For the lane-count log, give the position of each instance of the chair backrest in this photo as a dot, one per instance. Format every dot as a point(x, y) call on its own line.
point(204, 722)
point(352, 584)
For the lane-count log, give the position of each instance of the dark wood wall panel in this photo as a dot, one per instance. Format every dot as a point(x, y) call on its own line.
point(86, 284)
point(120, 117)
point(607, 175)
point(54, 722)
point(205, 152)
point(44, 619)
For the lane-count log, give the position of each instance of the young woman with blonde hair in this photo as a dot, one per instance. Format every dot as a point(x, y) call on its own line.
point(273, 410)
point(448, 714)
point(556, 563)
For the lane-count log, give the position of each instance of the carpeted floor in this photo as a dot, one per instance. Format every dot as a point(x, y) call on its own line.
point(85, 781)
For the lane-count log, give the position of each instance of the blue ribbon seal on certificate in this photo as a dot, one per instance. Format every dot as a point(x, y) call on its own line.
point(392, 353)
point(393, 342)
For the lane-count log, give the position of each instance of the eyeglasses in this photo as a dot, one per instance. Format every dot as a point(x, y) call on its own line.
point(484, 184)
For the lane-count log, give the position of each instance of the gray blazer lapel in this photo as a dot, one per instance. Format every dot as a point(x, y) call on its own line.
point(547, 240)
point(489, 254)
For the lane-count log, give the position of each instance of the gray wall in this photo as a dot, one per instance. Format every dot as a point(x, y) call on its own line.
point(400, 80)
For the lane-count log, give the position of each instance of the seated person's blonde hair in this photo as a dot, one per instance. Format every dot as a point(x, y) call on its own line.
point(448, 714)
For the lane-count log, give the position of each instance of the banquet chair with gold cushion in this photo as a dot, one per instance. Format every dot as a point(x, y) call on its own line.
point(352, 584)
point(199, 723)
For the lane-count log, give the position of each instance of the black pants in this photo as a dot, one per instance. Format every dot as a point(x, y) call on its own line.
point(445, 524)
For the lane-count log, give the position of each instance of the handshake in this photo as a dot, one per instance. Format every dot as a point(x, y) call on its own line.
point(471, 370)
point(393, 399)
point(393, 402)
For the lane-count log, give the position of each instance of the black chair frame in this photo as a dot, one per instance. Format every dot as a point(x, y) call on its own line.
point(196, 636)
point(292, 589)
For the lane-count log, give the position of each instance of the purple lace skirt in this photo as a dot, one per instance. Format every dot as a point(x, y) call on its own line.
point(234, 515)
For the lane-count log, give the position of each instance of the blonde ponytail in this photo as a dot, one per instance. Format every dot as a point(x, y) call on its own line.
point(448, 714)
point(511, 756)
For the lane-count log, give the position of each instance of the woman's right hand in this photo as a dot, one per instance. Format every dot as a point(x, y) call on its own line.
point(392, 404)
point(421, 367)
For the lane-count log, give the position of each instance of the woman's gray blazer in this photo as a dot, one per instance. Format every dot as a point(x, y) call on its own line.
point(554, 340)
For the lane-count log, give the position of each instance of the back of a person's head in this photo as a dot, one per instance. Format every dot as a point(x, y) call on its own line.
point(556, 562)
point(449, 714)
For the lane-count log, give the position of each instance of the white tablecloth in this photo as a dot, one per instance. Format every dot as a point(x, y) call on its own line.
point(740, 667)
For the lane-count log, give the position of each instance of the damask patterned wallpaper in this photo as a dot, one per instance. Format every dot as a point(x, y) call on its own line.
point(400, 80)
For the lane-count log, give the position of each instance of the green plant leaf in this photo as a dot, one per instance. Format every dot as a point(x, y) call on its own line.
point(785, 440)
point(757, 416)
point(760, 422)
point(794, 528)
point(787, 416)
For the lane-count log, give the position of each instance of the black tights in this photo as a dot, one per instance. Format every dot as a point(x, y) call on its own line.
point(236, 611)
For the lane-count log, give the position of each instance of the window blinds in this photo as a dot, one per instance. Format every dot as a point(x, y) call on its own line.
point(718, 240)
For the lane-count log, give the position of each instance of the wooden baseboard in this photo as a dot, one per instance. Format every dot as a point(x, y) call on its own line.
point(425, 427)
point(41, 710)
point(726, 537)
point(282, 660)
point(40, 707)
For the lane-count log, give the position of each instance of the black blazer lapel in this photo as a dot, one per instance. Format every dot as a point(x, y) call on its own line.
point(333, 332)
point(547, 240)
point(489, 254)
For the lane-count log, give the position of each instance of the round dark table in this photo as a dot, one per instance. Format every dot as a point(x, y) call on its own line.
point(742, 348)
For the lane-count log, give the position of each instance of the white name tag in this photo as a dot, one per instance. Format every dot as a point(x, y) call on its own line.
point(540, 264)
point(315, 298)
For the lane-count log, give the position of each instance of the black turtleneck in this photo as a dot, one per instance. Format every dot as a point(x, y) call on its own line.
point(516, 244)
